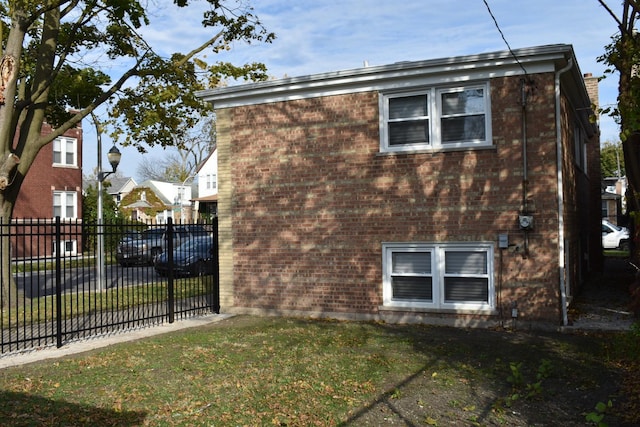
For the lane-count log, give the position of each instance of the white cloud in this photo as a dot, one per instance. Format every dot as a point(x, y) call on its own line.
point(322, 36)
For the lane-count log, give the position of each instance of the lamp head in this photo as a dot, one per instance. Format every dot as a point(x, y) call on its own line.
point(114, 157)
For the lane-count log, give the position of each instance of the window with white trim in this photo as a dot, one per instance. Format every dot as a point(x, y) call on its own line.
point(438, 276)
point(211, 181)
point(65, 152)
point(436, 118)
point(65, 204)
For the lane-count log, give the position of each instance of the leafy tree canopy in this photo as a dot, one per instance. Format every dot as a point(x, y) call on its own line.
point(611, 159)
point(55, 65)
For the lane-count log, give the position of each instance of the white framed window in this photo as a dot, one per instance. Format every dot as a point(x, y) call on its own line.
point(438, 276)
point(67, 247)
point(211, 181)
point(435, 118)
point(65, 204)
point(65, 152)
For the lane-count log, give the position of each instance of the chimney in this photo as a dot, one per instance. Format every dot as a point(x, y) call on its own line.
point(591, 84)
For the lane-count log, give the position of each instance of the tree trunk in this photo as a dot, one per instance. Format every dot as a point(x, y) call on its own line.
point(11, 295)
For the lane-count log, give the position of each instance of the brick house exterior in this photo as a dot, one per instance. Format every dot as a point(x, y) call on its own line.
point(53, 187)
point(405, 192)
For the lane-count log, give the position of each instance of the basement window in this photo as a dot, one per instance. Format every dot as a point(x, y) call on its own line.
point(438, 276)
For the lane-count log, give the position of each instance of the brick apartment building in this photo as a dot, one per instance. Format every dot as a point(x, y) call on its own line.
point(52, 187)
point(459, 190)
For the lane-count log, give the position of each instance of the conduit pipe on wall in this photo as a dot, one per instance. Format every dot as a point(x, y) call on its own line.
point(524, 92)
point(561, 245)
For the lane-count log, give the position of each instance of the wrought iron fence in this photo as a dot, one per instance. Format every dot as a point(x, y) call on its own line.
point(55, 289)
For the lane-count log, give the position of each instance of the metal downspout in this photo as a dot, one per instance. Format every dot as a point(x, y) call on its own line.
point(561, 245)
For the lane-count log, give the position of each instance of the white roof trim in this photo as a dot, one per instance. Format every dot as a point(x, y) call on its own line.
point(394, 76)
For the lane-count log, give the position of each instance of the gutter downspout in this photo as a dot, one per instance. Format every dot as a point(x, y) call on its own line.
point(561, 245)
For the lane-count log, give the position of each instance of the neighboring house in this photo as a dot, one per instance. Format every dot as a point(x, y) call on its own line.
point(116, 187)
point(157, 201)
point(613, 197)
point(206, 204)
point(53, 188)
point(417, 191)
point(120, 187)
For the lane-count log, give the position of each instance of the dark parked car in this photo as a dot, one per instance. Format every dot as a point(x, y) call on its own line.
point(192, 258)
point(144, 247)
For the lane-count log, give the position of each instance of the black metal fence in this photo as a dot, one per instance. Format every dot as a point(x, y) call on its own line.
point(64, 281)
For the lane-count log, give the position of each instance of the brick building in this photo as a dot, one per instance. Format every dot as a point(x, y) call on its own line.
point(51, 188)
point(460, 190)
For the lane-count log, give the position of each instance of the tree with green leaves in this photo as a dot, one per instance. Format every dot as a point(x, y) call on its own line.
point(611, 160)
point(46, 74)
point(622, 55)
point(90, 211)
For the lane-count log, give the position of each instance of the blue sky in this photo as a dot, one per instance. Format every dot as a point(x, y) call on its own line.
point(331, 35)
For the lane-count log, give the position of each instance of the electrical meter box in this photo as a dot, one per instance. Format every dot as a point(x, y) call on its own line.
point(503, 241)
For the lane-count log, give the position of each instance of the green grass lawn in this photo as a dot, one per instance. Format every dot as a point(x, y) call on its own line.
point(257, 371)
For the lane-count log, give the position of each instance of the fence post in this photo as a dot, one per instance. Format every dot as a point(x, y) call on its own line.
point(216, 270)
point(170, 286)
point(58, 285)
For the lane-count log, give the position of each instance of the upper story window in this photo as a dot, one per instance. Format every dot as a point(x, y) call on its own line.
point(436, 118)
point(580, 148)
point(65, 204)
point(65, 152)
point(212, 181)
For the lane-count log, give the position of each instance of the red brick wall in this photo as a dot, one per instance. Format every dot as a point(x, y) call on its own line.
point(312, 200)
point(36, 194)
point(35, 200)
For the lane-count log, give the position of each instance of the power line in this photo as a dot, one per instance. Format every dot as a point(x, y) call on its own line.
point(503, 37)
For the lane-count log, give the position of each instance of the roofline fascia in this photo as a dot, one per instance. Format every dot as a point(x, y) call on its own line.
point(395, 76)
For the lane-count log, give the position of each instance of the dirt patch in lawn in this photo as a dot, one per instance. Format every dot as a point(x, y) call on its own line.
point(487, 378)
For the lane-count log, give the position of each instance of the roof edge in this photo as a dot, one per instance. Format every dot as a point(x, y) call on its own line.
point(517, 60)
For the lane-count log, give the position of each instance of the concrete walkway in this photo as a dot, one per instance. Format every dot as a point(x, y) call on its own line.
point(603, 304)
point(106, 340)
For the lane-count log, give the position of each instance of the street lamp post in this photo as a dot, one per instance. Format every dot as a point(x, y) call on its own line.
point(114, 159)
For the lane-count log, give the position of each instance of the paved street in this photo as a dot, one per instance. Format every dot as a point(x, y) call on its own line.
point(43, 283)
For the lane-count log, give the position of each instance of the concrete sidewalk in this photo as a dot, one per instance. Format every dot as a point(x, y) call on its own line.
point(603, 304)
point(101, 341)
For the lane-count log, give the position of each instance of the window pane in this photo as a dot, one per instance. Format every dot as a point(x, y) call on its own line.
point(469, 101)
point(412, 288)
point(465, 289)
point(411, 262)
point(408, 106)
point(411, 132)
point(467, 128)
point(465, 262)
point(70, 205)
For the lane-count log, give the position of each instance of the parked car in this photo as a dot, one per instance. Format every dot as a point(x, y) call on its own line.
point(144, 247)
point(192, 258)
point(614, 237)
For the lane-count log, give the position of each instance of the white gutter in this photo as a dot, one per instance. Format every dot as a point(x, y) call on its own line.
point(561, 246)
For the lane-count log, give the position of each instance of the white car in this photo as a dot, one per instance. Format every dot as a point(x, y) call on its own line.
point(614, 237)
